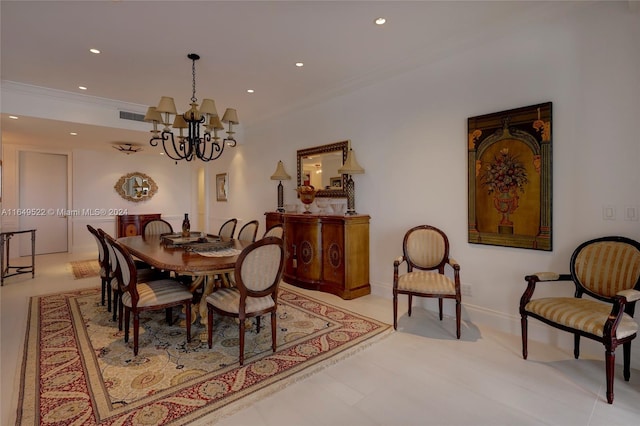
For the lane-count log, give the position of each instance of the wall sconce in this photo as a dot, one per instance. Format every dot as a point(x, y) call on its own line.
point(351, 167)
point(280, 175)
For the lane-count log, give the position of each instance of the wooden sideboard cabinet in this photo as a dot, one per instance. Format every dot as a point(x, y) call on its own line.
point(132, 224)
point(328, 253)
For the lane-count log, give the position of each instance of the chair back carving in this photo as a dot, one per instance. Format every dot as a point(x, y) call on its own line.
point(606, 266)
point(157, 227)
point(103, 256)
point(228, 228)
point(426, 247)
point(125, 270)
point(249, 231)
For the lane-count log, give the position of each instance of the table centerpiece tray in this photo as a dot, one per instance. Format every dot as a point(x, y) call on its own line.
point(196, 242)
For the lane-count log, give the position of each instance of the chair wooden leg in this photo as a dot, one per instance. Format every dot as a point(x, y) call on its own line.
point(168, 316)
point(440, 307)
point(610, 359)
point(127, 318)
point(104, 291)
point(576, 345)
point(626, 356)
point(114, 307)
point(458, 315)
point(209, 325)
point(241, 337)
point(136, 332)
point(523, 326)
point(410, 303)
point(120, 310)
point(395, 310)
point(273, 331)
point(187, 309)
point(258, 324)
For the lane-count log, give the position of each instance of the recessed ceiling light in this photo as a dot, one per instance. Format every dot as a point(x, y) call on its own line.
point(299, 64)
point(82, 88)
point(13, 117)
point(250, 91)
point(380, 21)
point(73, 134)
point(96, 51)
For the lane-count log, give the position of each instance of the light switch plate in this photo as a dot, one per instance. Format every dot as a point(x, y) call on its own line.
point(608, 212)
point(631, 213)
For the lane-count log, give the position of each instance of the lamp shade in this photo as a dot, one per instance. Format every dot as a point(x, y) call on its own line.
point(153, 115)
point(179, 122)
point(351, 166)
point(280, 174)
point(230, 116)
point(215, 123)
point(166, 105)
point(208, 107)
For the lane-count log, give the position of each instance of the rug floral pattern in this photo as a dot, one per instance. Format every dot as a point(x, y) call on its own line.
point(78, 370)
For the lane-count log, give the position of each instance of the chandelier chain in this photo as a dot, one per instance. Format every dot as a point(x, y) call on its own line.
point(193, 73)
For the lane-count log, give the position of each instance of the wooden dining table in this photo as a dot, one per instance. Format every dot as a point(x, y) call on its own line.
point(202, 267)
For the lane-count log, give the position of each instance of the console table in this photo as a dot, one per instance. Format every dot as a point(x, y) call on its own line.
point(5, 267)
point(128, 225)
point(328, 253)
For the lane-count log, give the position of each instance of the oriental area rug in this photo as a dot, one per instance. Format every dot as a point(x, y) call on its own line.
point(78, 370)
point(85, 268)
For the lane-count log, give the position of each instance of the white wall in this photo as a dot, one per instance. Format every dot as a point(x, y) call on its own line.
point(409, 133)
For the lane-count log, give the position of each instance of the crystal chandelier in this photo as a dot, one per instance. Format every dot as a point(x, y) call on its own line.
point(193, 145)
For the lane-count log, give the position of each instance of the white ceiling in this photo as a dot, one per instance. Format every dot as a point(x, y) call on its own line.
point(243, 45)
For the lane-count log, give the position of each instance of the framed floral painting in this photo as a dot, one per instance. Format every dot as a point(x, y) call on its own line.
point(509, 156)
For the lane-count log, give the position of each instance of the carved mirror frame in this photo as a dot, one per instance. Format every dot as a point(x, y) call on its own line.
point(324, 149)
point(119, 187)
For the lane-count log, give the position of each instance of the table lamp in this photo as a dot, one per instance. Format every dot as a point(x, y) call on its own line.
point(280, 175)
point(351, 167)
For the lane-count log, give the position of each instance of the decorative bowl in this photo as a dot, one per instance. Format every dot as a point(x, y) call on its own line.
point(307, 194)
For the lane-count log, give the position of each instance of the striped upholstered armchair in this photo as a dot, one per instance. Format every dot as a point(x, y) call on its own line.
point(426, 253)
point(608, 271)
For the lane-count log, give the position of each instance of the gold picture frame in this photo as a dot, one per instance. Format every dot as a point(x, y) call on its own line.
point(509, 169)
point(222, 187)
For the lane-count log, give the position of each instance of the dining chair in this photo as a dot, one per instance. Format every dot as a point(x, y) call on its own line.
point(607, 270)
point(249, 231)
point(144, 273)
point(257, 276)
point(228, 228)
point(157, 227)
point(138, 296)
point(426, 249)
point(103, 261)
point(274, 231)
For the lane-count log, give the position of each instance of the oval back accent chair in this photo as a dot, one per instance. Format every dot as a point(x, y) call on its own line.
point(607, 270)
point(249, 231)
point(426, 253)
point(103, 261)
point(274, 231)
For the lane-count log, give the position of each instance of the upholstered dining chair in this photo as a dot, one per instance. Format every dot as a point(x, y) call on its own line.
point(249, 231)
point(144, 271)
point(228, 228)
point(426, 253)
point(138, 296)
point(103, 261)
point(157, 227)
point(257, 276)
point(274, 231)
point(607, 271)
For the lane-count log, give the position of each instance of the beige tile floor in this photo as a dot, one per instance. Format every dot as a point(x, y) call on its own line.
point(419, 375)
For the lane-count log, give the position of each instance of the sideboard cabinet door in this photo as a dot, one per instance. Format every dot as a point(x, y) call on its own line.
point(328, 253)
point(132, 224)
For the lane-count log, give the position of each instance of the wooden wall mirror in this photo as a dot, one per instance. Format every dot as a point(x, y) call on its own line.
point(136, 187)
point(318, 166)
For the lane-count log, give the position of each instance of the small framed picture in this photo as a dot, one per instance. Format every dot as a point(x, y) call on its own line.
point(336, 182)
point(222, 187)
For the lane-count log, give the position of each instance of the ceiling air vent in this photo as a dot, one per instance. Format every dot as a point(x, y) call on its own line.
point(131, 116)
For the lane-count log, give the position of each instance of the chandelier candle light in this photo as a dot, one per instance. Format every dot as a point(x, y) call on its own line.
point(351, 167)
point(193, 145)
point(280, 175)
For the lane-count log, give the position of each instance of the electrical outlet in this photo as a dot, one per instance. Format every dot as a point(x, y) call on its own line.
point(466, 289)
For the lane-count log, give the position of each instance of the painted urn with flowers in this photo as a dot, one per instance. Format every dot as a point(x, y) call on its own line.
point(504, 177)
